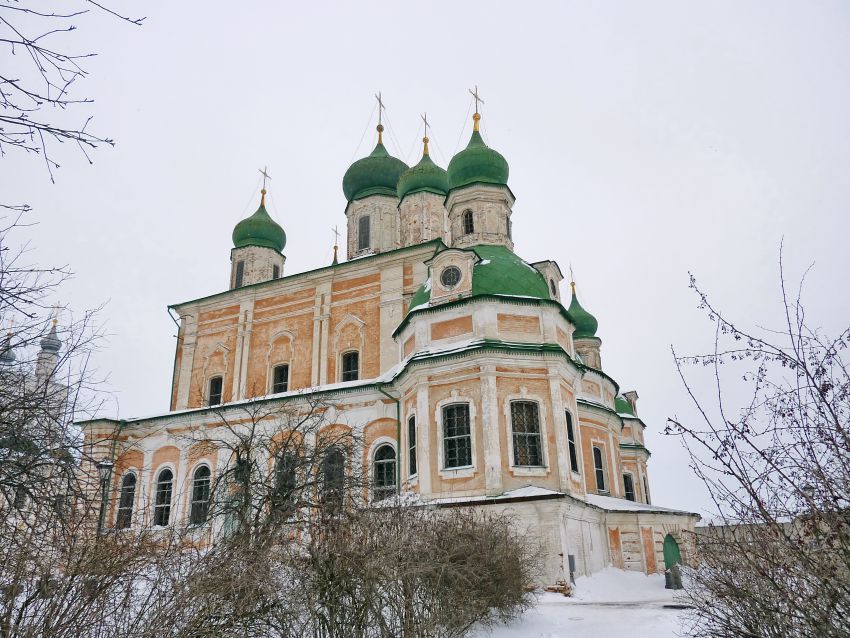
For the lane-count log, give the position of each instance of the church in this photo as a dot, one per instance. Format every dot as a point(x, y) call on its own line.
point(467, 376)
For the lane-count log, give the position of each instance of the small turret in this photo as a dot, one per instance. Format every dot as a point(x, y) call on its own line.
point(48, 356)
point(586, 342)
point(422, 190)
point(258, 243)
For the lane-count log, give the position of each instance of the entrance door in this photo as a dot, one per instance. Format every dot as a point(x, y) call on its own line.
point(672, 556)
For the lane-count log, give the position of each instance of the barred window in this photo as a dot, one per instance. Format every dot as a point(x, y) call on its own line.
point(468, 222)
point(200, 506)
point(457, 436)
point(351, 366)
point(571, 442)
point(162, 500)
point(280, 378)
point(333, 477)
point(125, 501)
point(629, 487)
point(215, 391)
point(363, 227)
point(599, 468)
point(525, 423)
point(383, 472)
point(411, 445)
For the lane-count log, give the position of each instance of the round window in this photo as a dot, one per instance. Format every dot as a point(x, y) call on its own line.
point(450, 277)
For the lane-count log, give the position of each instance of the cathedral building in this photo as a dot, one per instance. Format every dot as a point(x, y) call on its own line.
point(467, 376)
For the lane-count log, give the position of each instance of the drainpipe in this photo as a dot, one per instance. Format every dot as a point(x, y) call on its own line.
point(397, 436)
point(107, 484)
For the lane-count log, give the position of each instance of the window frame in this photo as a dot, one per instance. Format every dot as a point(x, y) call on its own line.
point(220, 379)
point(600, 469)
point(381, 492)
point(467, 222)
point(412, 461)
point(285, 504)
point(336, 497)
point(631, 479)
point(361, 244)
point(160, 506)
point(515, 451)
point(203, 505)
point(572, 443)
point(274, 383)
point(455, 403)
point(239, 276)
point(124, 512)
point(275, 271)
point(343, 372)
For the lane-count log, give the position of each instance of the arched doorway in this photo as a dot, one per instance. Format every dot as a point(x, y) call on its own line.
point(672, 555)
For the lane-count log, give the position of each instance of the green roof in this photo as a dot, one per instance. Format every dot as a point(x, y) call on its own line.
point(426, 176)
point(623, 406)
point(585, 323)
point(259, 230)
point(375, 174)
point(477, 163)
point(498, 272)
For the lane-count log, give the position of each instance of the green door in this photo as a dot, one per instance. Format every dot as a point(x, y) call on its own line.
point(672, 556)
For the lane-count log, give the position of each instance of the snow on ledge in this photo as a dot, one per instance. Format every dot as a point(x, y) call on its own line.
point(610, 504)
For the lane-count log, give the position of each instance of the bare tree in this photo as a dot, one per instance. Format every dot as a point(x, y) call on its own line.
point(39, 105)
point(776, 563)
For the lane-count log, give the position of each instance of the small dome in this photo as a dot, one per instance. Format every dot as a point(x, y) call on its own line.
point(425, 176)
point(375, 174)
point(477, 163)
point(259, 230)
point(622, 405)
point(585, 323)
point(50, 342)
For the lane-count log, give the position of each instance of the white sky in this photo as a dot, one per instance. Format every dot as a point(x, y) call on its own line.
point(645, 140)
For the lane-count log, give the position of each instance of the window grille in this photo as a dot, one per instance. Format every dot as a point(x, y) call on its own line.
point(525, 423)
point(384, 472)
point(215, 391)
point(468, 222)
point(351, 366)
point(280, 378)
point(599, 467)
point(457, 436)
point(162, 501)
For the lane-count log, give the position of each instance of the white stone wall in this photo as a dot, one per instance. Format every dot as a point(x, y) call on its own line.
point(383, 218)
point(423, 217)
point(491, 210)
point(259, 264)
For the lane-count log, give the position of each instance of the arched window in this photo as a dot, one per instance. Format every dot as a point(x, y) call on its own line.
point(525, 423)
point(215, 391)
point(162, 499)
point(383, 472)
point(283, 499)
point(599, 468)
point(468, 222)
point(280, 378)
point(363, 228)
point(240, 274)
point(200, 496)
point(125, 501)
point(457, 436)
point(571, 443)
point(275, 271)
point(333, 477)
point(411, 445)
point(350, 366)
point(629, 487)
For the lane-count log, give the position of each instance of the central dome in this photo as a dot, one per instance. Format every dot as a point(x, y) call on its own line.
point(375, 174)
point(425, 176)
point(477, 163)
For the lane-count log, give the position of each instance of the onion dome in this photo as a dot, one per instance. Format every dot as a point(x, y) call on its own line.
point(7, 351)
point(50, 342)
point(426, 176)
point(585, 323)
point(259, 230)
point(477, 163)
point(375, 174)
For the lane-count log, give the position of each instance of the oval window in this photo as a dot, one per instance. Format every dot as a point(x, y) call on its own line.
point(450, 277)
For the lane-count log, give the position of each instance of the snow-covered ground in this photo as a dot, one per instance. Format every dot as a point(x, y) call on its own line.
point(611, 602)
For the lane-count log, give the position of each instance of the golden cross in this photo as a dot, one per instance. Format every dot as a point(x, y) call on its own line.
point(477, 97)
point(424, 117)
point(381, 107)
point(264, 172)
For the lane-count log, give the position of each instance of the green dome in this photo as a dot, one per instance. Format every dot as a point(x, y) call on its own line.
point(259, 230)
point(426, 176)
point(499, 272)
point(477, 163)
point(622, 406)
point(375, 174)
point(585, 323)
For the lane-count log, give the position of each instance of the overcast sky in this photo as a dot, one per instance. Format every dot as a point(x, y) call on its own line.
point(645, 140)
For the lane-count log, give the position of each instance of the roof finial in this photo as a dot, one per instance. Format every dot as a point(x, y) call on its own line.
point(476, 117)
point(336, 246)
point(381, 109)
point(572, 280)
point(425, 139)
point(265, 173)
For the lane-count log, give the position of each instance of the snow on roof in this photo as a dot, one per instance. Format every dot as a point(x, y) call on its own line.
point(611, 504)
point(528, 491)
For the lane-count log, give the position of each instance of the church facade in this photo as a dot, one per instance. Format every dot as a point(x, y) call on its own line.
point(460, 367)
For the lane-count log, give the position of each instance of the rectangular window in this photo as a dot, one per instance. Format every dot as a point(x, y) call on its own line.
point(599, 468)
point(275, 271)
point(468, 222)
point(629, 487)
point(240, 274)
point(457, 436)
point(411, 445)
point(525, 424)
point(280, 378)
point(571, 442)
point(363, 228)
point(215, 391)
point(351, 366)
